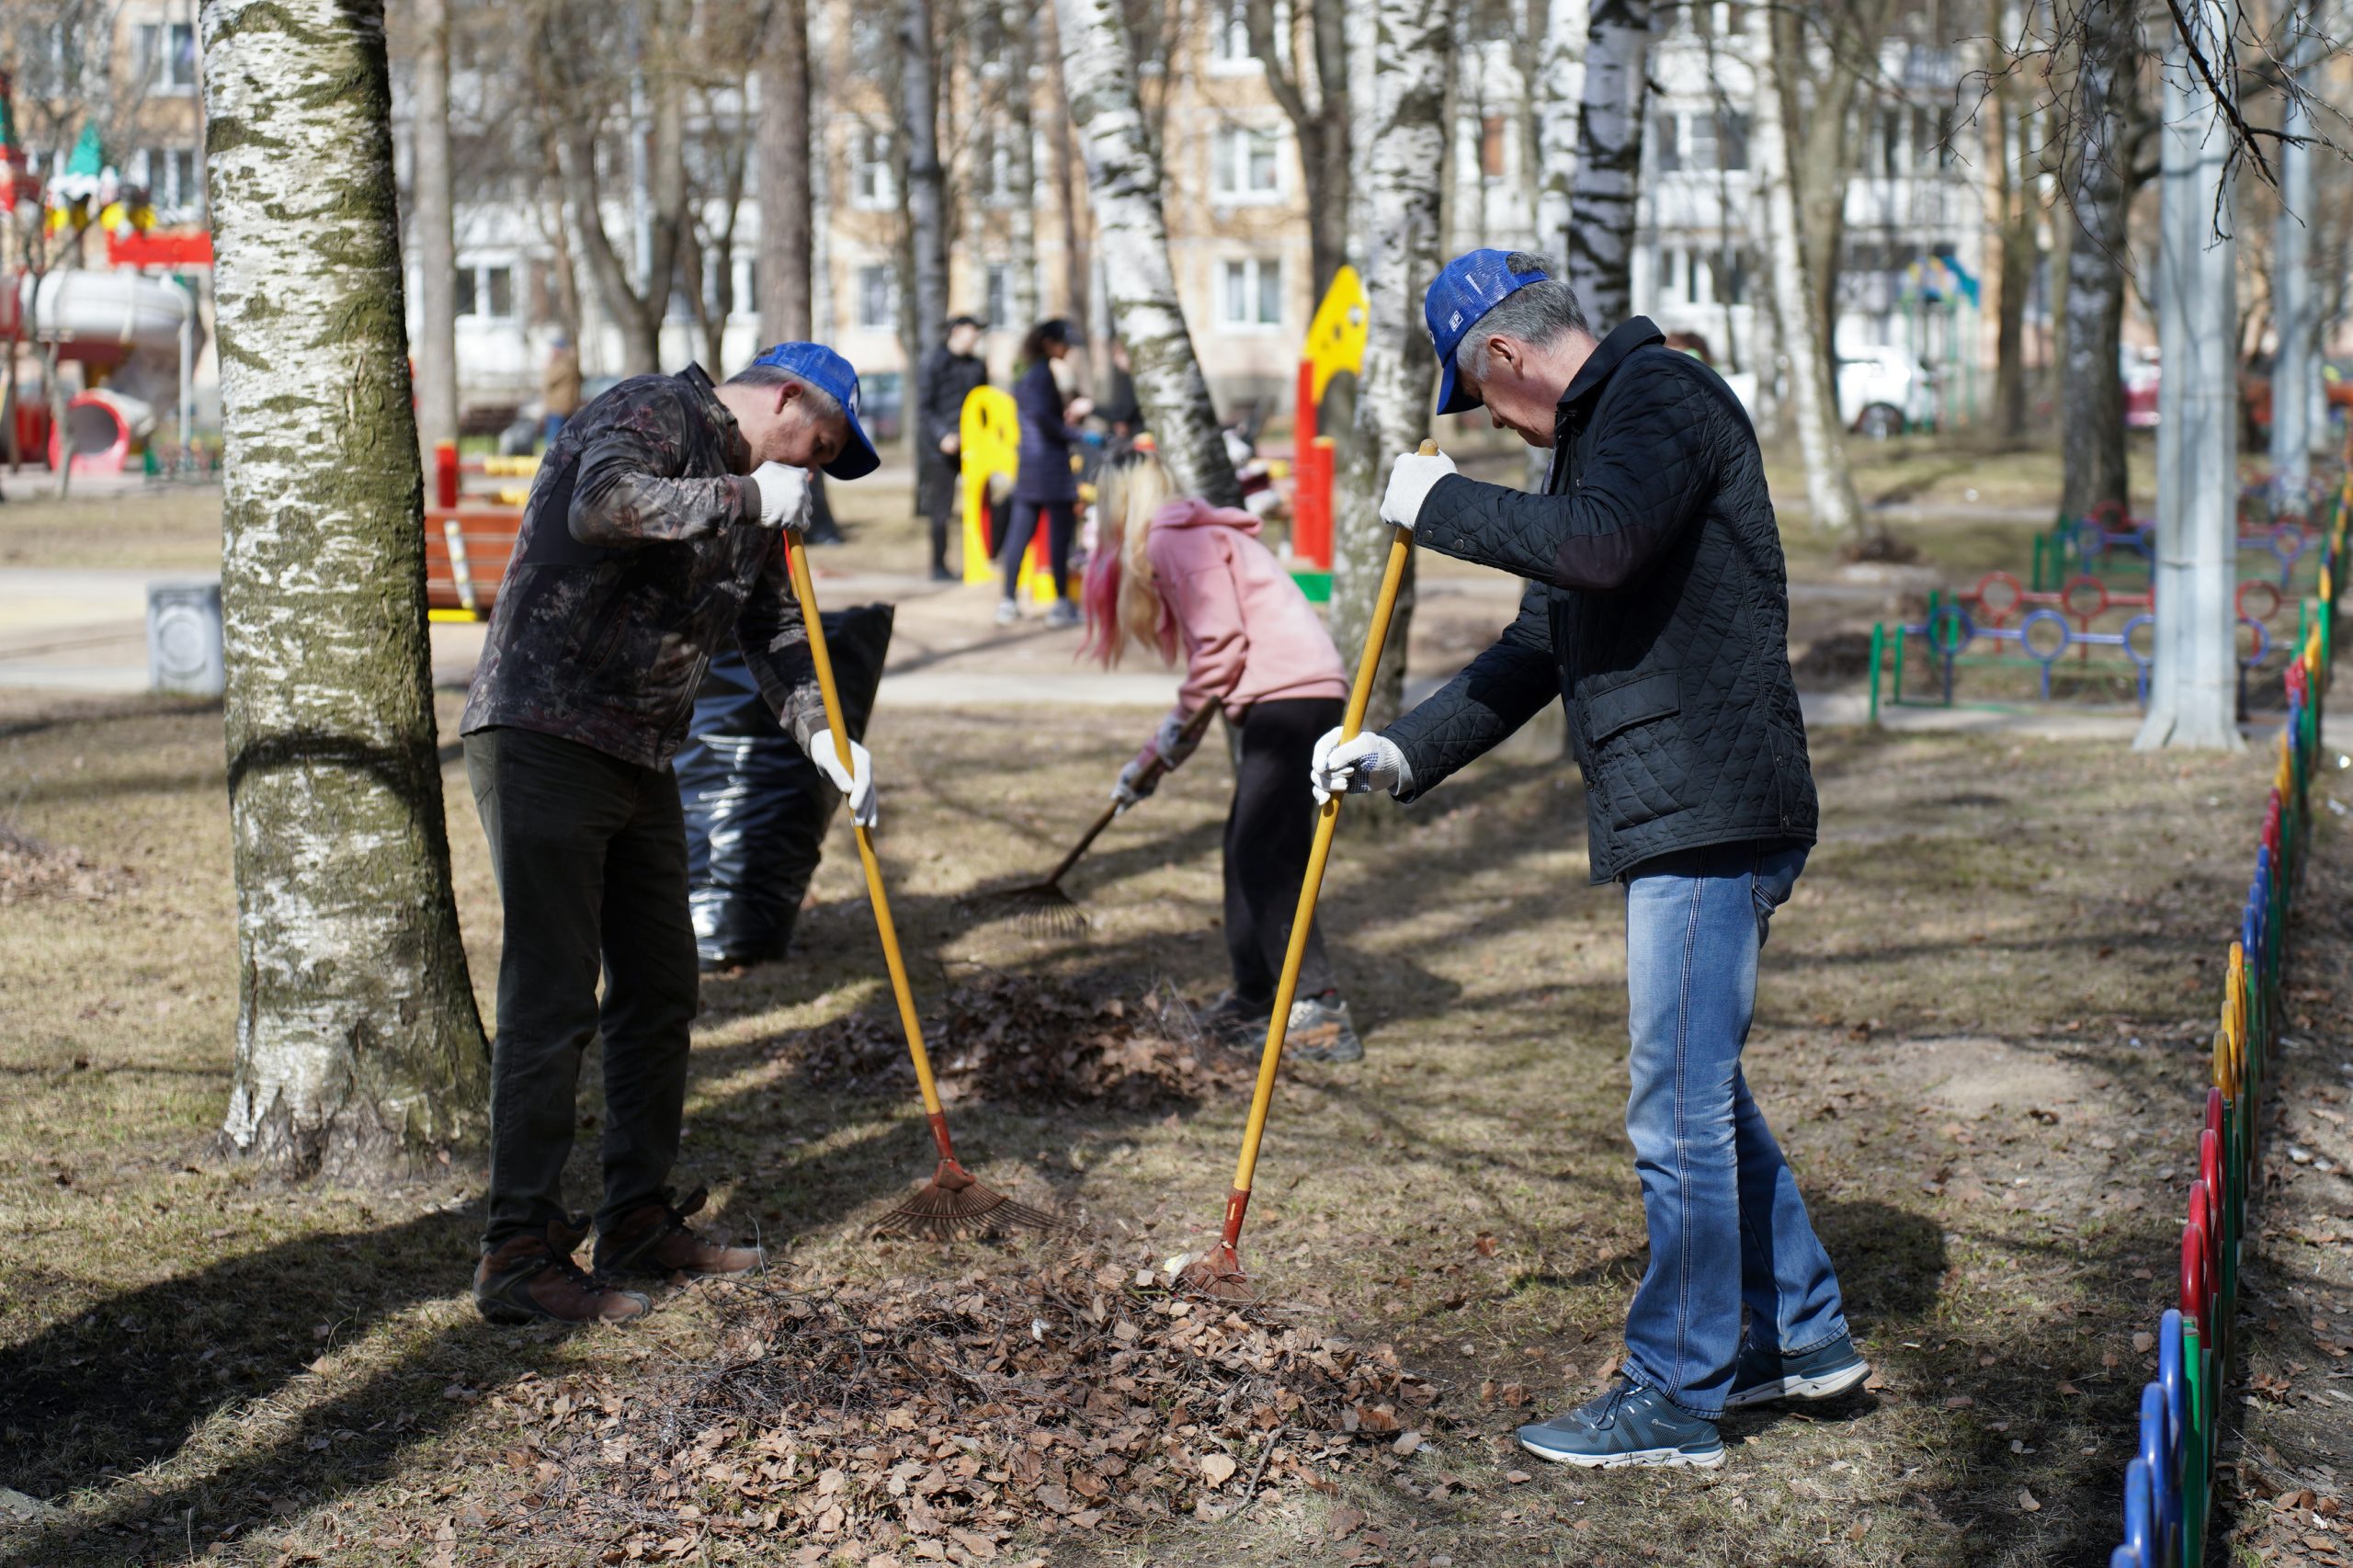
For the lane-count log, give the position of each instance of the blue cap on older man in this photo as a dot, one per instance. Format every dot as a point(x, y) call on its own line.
point(830, 374)
point(1471, 284)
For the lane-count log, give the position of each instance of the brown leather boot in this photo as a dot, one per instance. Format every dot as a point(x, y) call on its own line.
point(652, 1238)
point(532, 1278)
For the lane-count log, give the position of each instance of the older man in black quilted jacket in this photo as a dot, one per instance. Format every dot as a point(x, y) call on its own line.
point(1656, 610)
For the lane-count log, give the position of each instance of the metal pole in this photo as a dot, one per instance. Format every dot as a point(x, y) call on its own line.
point(2192, 701)
point(188, 374)
point(2291, 293)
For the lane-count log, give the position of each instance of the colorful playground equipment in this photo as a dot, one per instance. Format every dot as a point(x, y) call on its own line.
point(469, 534)
point(989, 434)
point(2084, 624)
point(2169, 1484)
point(1335, 343)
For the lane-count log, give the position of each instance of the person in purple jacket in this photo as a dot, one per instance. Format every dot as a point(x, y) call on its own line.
point(1044, 485)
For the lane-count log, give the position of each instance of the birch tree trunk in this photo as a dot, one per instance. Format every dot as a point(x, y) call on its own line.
point(1020, 165)
point(2292, 291)
point(1320, 120)
point(1558, 91)
point(1609, 160)
point(436, 243)
point(2009, 159)
point(1829, 485)
point(787, 202)
point(358, 1048)
point(926, 201)
point(1123, 184)
point(2193, 685)
point(1404, 185)
point(2091, 393)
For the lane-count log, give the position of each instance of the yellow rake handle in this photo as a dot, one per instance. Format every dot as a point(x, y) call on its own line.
point(1401, 546)
point(796, 561)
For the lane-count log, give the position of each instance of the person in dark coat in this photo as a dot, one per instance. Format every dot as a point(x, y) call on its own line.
point(1044, 485)
point(1656, 611)
point(950, 372)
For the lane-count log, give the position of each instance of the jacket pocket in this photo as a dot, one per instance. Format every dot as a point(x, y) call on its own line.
point(1634, 762)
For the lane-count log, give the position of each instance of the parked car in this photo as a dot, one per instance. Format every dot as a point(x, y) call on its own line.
point(2137, 366)
point(1884, 391)
point(2255, 396)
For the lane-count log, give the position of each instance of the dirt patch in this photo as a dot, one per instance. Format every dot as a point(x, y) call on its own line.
point(928, 1418)
point(1030, 1041)
point(1979, 1075)
point(1835, 660)
point(1880, 544)
point(30, 869)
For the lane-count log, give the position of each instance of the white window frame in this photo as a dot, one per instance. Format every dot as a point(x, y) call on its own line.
point(1228, 46)
point(159, 58)
point(996, 295)
point(1241, 294)
point(478, 274)
point(1231, 160)
point(860, 279)
point(873, 185)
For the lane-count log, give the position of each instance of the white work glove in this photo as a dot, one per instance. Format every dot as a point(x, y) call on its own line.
point(856, 780)
point(1172, 742)
point(1358, 766)
point(1137, 779)
point(1410, 479)
point(784, 496)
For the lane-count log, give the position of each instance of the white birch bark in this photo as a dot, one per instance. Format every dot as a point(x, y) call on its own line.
point(1123, 180)
point(1559, 87)
point(1020, 166)
point(2193, 687)
point(1403, 187)
point(1608, 184)
point(2292, 288)
point(358, 1048)
point(436, 245)
point(1829, 485)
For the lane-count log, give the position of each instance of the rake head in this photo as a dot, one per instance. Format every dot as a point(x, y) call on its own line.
point(1216, 1273)
point(1043, 909)
point(955, 1203)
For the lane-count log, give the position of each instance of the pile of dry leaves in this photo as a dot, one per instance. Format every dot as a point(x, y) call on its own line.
point(1036, 1042)
point(30, 869)
point(928, 1421)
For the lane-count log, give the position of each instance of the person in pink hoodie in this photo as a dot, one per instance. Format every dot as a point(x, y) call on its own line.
point(1171, 571)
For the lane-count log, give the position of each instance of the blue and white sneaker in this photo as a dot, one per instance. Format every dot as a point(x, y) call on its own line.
point(1764, 1377)
point(1630, 1425)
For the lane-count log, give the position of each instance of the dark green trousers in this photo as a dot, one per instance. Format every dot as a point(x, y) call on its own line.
point(590, 853)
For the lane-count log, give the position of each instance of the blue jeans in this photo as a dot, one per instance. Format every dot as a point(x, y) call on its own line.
point(1727, 1227)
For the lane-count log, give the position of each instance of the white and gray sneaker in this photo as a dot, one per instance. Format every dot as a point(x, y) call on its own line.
point(1321, 1030)
point(1767, 1377)
point(1007, 612)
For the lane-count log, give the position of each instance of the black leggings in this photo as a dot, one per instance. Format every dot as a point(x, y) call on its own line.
point(1061, 521)
point(1268, 832)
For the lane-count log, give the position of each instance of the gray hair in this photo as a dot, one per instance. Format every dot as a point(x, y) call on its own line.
point(822, 403)
point(1538, 314)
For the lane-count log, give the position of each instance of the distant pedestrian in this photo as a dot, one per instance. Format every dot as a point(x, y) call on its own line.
point(1044, 486)
point(558, 387)
point(950, 372)
point(1175, 572)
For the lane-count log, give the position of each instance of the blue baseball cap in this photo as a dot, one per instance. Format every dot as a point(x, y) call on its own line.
point(830, 374)
point(1471, 285)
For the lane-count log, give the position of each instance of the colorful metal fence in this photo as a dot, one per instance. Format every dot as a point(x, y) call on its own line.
point(2169, 1484)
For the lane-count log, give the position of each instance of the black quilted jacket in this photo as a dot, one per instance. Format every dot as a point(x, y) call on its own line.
point(1656, 608)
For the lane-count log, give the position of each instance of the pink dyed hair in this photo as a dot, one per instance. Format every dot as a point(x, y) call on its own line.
point(1118, 593)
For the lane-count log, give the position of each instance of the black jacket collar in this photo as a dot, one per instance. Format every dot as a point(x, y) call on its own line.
point(721, 417)
point(1635, 332)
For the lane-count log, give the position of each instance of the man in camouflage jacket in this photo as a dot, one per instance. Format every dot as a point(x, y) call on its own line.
point(651, 536)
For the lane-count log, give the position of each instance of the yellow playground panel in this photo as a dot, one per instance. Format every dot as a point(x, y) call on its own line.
point(1335, 337)
point(990, 431)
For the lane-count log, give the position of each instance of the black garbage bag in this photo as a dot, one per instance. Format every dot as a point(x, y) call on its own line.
point(757, 807)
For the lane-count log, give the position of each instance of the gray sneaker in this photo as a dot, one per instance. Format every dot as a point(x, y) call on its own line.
point(1321, 1030)
point(1007, 612)
point(1061, 613)
point(1764, 1377)
point(1233, 1023)
point(1629, 1425)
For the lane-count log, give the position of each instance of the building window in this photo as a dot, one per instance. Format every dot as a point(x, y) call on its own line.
point(878, 297)
point(1253, 294)
point(167, 56)
point(1730, 276)
point(1230, 50)
point(1717, 140)
point(996, 294)
point(1248, 163)
point(486, 293)
point(1491, 146)
point(871, 187)
point(170, 176)
point(1667, 143)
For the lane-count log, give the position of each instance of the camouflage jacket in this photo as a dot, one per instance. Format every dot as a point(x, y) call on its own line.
point(637, 557)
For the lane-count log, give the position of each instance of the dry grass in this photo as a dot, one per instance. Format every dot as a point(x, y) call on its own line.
point(1976, 1035)
point(165, 527)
